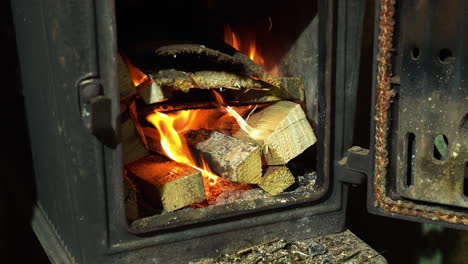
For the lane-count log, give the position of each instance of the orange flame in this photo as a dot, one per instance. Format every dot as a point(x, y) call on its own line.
point(231, 38)
point(138, 77)
point(175, 147)
point(172, 126)
point(219, 99)
point(246, 45)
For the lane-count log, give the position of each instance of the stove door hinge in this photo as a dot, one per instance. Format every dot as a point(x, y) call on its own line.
point(355, 167)
point(96, 111)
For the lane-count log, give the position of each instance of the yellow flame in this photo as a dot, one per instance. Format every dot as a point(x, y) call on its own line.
point(170, 139)
point(173, 144)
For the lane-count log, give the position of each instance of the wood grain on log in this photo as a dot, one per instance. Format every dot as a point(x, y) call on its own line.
point(282, 130)
point(228, 157)
point(276, 179)
point(154, 140)
point(133, 146)
point(174, 184)
point(152, 92)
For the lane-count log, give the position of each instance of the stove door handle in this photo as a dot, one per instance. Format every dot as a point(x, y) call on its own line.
point(96, 112)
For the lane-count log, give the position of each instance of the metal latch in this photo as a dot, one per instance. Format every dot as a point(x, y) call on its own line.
point(96, 111)
point(355, 167)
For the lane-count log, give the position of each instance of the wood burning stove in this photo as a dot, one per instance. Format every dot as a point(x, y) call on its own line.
point(69, 54)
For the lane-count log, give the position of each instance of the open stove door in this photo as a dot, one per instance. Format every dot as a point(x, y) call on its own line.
point(417, 165)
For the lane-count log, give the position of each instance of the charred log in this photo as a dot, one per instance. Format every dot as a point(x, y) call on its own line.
point(189, 57)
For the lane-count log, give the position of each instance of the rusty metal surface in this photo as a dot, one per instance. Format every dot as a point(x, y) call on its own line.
point(385, 93)
point(432, 100)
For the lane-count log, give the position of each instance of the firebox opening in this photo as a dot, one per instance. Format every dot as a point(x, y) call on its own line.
point(219, 108)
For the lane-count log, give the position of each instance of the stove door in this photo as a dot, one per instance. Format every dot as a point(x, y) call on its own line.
point(419, 155)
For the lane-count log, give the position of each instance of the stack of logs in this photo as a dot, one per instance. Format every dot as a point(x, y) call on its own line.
point(256, 154)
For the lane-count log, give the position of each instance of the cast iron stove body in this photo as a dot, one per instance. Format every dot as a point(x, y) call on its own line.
point(67, 52)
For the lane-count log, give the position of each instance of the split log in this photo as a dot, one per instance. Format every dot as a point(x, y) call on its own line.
point(282, 130)
point(276, 179)
point(290, 88)
point(220, 79)
point(153, 138)
point(131, 200)
point(170, 183)
point(173, 106)
point(253, 69)
point(228, 157)
point(126, 87)
point(164, 82)
point(133, 146)
point(190, 57)
point(135, 204)
point(153, 92)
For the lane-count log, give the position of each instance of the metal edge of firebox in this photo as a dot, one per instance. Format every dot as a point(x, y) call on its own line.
point(371, 208)
point(49, 238)
point(125, 234)
point(334, 202)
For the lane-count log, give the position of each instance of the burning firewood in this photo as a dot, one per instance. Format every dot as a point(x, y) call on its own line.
point(228, 157)
point(164, 81)
point(214, 79)
point(131, 200)
point(255, 70)
point(171, 66)
point(133, 146)
point(276, 179)
point(153, 92)
point(290, 88)
point(135, 204)
point(126, 87)
point(172, 184)
point(153, 138)
point(190, 57)
point(281, 129)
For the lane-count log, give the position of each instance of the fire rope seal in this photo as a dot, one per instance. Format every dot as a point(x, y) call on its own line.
point(384, 97)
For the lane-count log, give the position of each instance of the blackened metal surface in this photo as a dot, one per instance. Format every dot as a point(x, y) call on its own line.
point(223, 241)
point(200, 215)
point(348, 56)
point(430, 100)
point(56, 49)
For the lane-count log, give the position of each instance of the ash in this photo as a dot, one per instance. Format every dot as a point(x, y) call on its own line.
point(304, 183)
point(336, 248)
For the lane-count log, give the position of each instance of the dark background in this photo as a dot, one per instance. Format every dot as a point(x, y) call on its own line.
point(398, 241)
point(17, 242)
